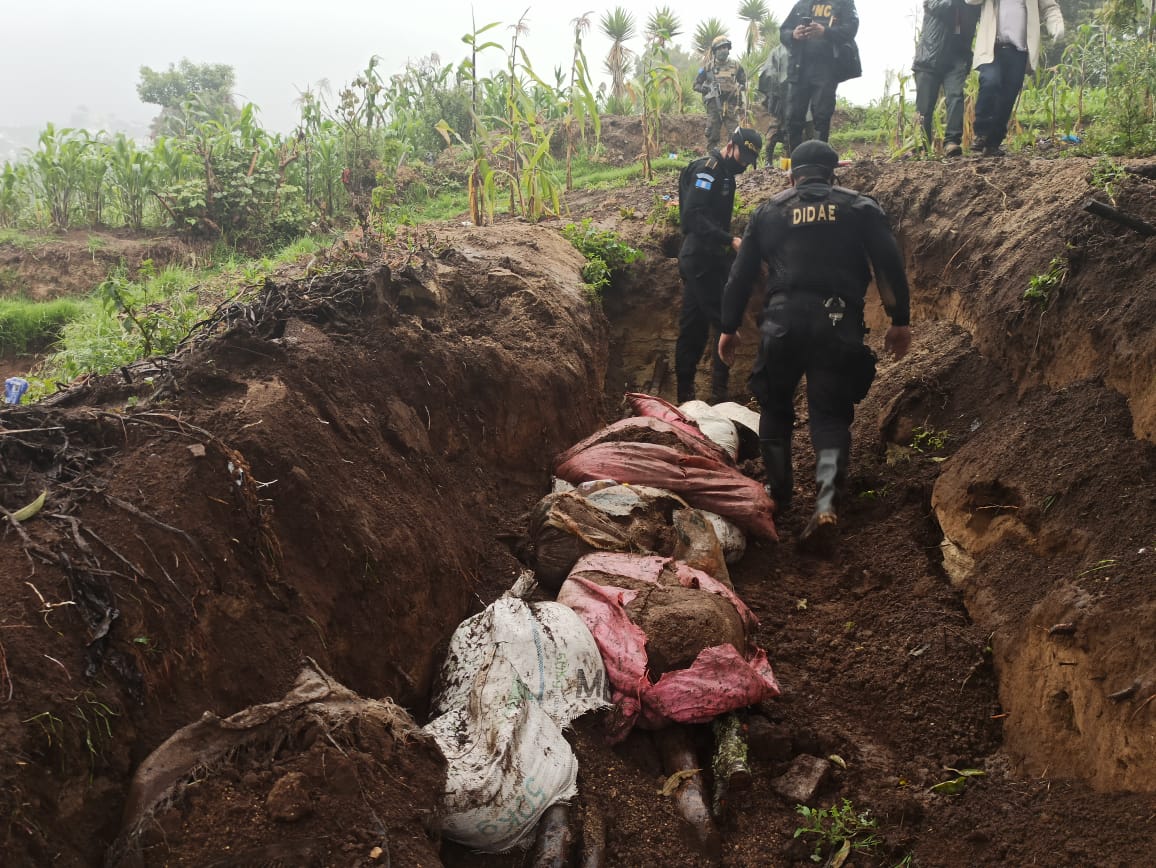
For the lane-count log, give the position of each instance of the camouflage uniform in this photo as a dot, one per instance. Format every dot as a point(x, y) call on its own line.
point(724, 112)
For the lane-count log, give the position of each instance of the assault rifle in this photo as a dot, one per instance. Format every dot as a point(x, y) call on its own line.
point(712, 92)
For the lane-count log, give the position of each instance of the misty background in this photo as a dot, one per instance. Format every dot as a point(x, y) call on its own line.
point(77, 64)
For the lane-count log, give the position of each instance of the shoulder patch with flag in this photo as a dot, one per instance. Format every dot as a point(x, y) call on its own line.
point(704, 181)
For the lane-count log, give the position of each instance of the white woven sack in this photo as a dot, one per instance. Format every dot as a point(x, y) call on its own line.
point(714, 426)
point(507, 762)
point(548, 647)
point(730, 537)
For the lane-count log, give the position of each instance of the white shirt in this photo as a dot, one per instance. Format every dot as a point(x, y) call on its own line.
point(1013, 23)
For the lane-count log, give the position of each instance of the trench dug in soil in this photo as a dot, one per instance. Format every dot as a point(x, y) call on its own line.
point(335, 477)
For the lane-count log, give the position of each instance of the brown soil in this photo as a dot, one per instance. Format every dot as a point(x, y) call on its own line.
point(74, 262)
point(342, 477)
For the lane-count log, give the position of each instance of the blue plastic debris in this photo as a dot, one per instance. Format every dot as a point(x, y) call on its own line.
point(14, 389)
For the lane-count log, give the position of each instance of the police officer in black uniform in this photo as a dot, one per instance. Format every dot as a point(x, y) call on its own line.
point(816, 31)
point(706, 198)
point(821, 244)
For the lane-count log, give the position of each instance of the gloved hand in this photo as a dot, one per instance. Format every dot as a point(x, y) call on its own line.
point(897, 341)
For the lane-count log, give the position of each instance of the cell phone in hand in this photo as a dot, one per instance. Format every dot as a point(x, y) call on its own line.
point(806, 22)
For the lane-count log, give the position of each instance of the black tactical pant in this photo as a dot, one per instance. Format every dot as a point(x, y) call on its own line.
point(703, 278)
point(814, 91)
point(799, 338)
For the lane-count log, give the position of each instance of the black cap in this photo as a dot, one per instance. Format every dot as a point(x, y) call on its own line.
point(814, 154)
point(749, 143)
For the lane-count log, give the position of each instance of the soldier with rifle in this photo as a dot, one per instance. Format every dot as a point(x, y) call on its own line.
point(723, 85)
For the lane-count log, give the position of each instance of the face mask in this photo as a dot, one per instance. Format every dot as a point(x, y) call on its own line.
point(721, 55)
point(736, 167)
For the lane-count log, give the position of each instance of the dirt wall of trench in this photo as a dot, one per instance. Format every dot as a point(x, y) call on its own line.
point(323, 480)
point(1046, 501)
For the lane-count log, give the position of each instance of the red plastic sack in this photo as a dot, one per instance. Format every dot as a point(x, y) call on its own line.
point(703, 482)
point(721, 678)
point(638, 428)
point(656, 408)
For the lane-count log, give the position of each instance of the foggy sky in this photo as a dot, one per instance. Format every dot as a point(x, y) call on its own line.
point(62, 56)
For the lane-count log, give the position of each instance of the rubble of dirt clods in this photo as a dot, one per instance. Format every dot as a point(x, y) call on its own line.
point(334, 477)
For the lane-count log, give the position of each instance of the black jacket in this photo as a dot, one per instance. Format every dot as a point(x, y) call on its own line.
point(818, 241)
point(706, 201)
point(818, 55)
point(946, 35)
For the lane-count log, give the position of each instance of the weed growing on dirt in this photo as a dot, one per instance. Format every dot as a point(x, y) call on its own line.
point(604, 253)
point(664, 211)
point(1041, 286)
point(875, 493)
point(928, 439)
point(1108, 176)
point(838, 828)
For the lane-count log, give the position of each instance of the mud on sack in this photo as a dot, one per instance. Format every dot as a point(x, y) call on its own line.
point(515, 675)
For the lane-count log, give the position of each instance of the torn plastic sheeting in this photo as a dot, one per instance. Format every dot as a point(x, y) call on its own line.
point(620, 518)
point(702, 482)
point(722, 678)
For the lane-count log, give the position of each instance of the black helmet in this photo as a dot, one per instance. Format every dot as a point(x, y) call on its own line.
point(749, 143)
point(815, 155)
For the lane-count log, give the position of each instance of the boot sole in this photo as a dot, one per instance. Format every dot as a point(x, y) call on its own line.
point(821, 535)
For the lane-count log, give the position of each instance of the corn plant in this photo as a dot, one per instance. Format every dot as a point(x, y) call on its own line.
point(581, 105)
point(657, 75)
point(57, 171)
point(133, 173)
point(11, 193)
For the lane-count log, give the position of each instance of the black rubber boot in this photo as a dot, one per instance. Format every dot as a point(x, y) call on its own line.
point(720, 378)
point(822, 531)
point(776, 452)
point(685, 390)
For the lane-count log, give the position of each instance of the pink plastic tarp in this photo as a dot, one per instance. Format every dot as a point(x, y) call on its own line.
point(657, 408)
point(721, 679)
point(704, 483)
point(637, 427)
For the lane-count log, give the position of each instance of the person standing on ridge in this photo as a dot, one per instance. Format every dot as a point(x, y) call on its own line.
point(706, 200)
point(822, 246)
point(723, 85)
point(943, 60)
point(820, 35)
point(1007, 46)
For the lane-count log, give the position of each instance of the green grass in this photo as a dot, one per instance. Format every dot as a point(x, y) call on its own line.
point(591, 175)
point(109, 328)
point(446, 205)
point(27, 326)
point(25, 240)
